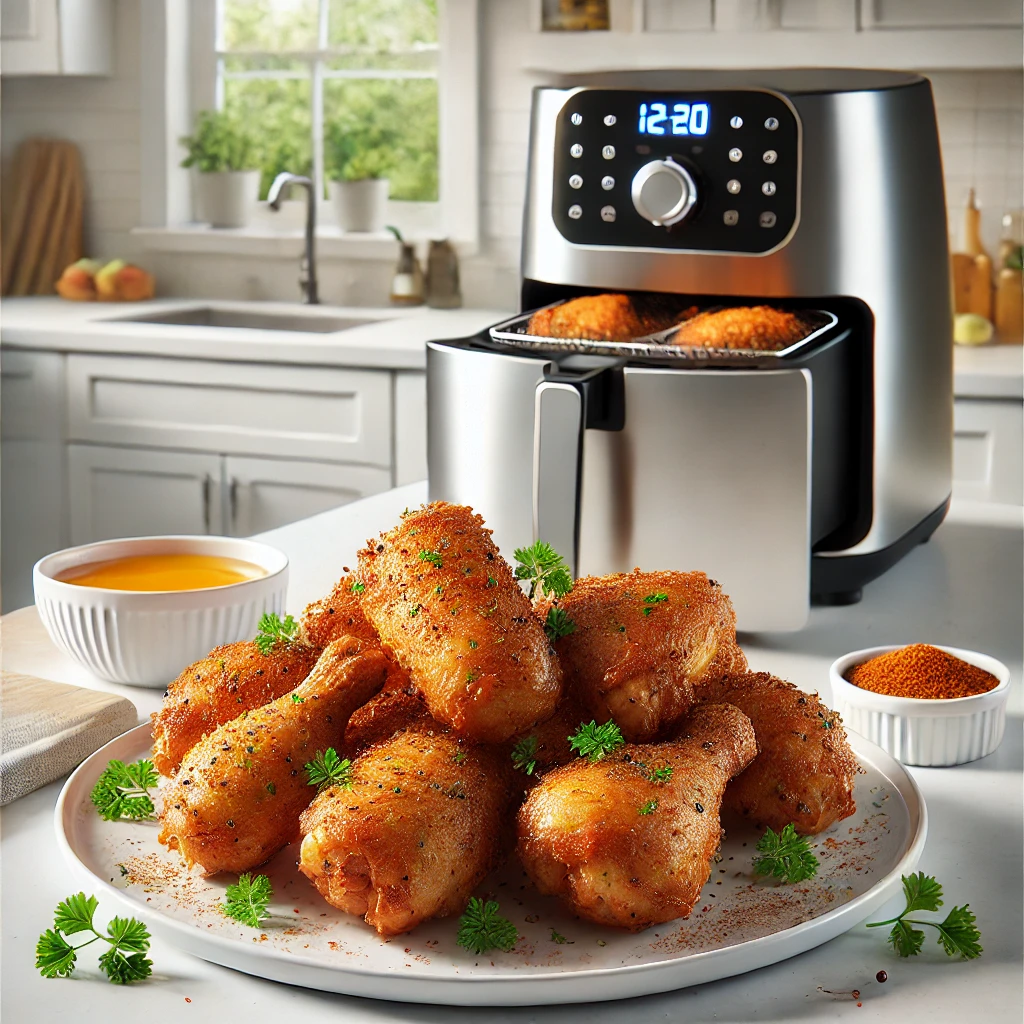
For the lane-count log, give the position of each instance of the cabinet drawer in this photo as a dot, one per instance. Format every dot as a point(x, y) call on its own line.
point(236, 408)
point(988, 450)
point(31, 396)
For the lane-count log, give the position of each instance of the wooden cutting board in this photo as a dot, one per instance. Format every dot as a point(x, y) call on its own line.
point(47, 729)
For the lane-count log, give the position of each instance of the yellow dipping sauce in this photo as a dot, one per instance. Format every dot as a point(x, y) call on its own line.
point(162, 572)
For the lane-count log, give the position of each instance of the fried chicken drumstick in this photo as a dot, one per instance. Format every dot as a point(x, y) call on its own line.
point(237, 798)
point(642, 641)
point(618, 846)
point(805, 770)
point(337, 614)
point(447, 604)
point(425, 819)
point(229, 680)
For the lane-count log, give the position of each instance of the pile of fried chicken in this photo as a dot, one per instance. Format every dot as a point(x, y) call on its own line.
point(431, 670)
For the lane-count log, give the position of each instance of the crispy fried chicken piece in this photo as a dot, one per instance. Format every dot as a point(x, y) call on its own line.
point(337, 614)
point(643, 640)
point(760, 328)
point(591, 317)
point(623, 849)
point(425, 820)
point(237, 798)
point(448, 606)
point(229, 680)
point(805, 770)
point(547, 744)
point(398, 706)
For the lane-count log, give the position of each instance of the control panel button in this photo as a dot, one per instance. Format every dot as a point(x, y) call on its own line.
point(608, 152)
point(608, 213)
point(731, 217)
point(735, 155)
point(768, 188)
point(607, 182)
point(770, 156)
point(576, 119)
point(733, 186)
point(736, 122)
point(576, 150)
point(771, 123)
point(576, 211)
point(576, 181)
point(610, 119)
point(767, 219)
point(663, 192)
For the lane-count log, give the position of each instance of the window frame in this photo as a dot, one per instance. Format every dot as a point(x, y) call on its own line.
point(188, 61)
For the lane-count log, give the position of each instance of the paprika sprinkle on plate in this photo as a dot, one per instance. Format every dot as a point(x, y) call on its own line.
point(921, 671)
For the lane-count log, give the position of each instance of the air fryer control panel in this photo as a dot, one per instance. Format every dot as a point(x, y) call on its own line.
point(715, 171)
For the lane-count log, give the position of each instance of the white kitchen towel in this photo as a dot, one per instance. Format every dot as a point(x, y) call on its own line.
point(47, 729)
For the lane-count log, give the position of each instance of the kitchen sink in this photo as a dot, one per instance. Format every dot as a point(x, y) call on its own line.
point(212, 316)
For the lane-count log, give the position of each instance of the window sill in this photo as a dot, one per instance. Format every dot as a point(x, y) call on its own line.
point(258, 242)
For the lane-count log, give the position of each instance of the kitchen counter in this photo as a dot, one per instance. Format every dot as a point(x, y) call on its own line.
point(988, 371)
point(396, 341)
point(963, 588)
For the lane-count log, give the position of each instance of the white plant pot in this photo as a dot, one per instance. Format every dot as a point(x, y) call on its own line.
point(224, 199)
point(360, 205)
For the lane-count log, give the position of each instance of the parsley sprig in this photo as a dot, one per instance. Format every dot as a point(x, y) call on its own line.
point(958, 933)
point(482, 928)
point(327, 769)
point(524, 755)
point(593, 741)
point(558, 624)
point(786, 855)
point(545, 568)
point(247, 900)
point(274, 630)
point(121, 792)
point(128, 940)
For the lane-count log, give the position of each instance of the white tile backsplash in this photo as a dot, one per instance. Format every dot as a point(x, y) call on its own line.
point(980, 116)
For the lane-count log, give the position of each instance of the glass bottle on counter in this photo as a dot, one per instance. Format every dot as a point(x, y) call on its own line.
point(407, 286)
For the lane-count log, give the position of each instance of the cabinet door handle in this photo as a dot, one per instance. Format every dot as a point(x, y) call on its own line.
point(233, 503)
point(207, 492)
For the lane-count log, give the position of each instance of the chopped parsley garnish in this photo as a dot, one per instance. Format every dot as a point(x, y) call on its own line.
point(557, 937)
point(524, 755)
point(786, 855)
point(357, 587)
point(653, 599)
point(121, 792)
point(274, 630)
point(662, 774)
point(545, 568)
point(482, 928)
point(296, 699)
point(648, 808)
point(247, 900)
point(558, 624)
point(593, 741)
point(433, 557)
point(327, 769)
point(958, 933)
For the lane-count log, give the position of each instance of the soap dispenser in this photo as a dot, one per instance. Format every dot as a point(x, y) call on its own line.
point(407, 286)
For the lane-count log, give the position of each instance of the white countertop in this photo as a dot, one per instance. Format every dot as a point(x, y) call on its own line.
point(963, 588)
point(396, 341)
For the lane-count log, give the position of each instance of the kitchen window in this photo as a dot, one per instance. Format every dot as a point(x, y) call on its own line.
point(329, 88)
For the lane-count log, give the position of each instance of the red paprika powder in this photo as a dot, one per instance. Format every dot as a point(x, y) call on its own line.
point(922, 671)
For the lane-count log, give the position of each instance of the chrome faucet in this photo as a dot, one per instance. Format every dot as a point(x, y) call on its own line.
point(307, 269)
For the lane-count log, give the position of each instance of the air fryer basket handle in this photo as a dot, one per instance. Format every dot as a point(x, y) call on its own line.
point(557, 464)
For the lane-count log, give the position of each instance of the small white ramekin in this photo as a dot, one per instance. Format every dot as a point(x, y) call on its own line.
point(145, 638)
point(928, 733)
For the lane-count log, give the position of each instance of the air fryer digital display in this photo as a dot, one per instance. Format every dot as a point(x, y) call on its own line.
point(739, 149)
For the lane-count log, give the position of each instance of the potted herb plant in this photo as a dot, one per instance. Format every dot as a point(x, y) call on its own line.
point(359, 160)
point(225, 165)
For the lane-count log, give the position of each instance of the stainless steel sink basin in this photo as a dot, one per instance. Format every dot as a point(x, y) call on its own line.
point(211, 316)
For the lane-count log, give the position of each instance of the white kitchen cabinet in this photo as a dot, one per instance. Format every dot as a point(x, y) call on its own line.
point(33, 507)
point(56, 37)
point(410, 428)
point(262, 494)
point(134, 492)
point(988, 450)
point(304, 412)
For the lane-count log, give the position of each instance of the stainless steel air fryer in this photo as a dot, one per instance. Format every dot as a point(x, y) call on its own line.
point(787, 476)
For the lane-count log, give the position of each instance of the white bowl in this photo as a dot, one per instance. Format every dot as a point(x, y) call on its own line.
point(145, 638)
point(924, 732)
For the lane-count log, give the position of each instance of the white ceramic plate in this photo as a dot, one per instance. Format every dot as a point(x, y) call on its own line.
point(742, 923)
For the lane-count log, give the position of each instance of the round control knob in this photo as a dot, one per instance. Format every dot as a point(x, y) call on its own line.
point(663, 192)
